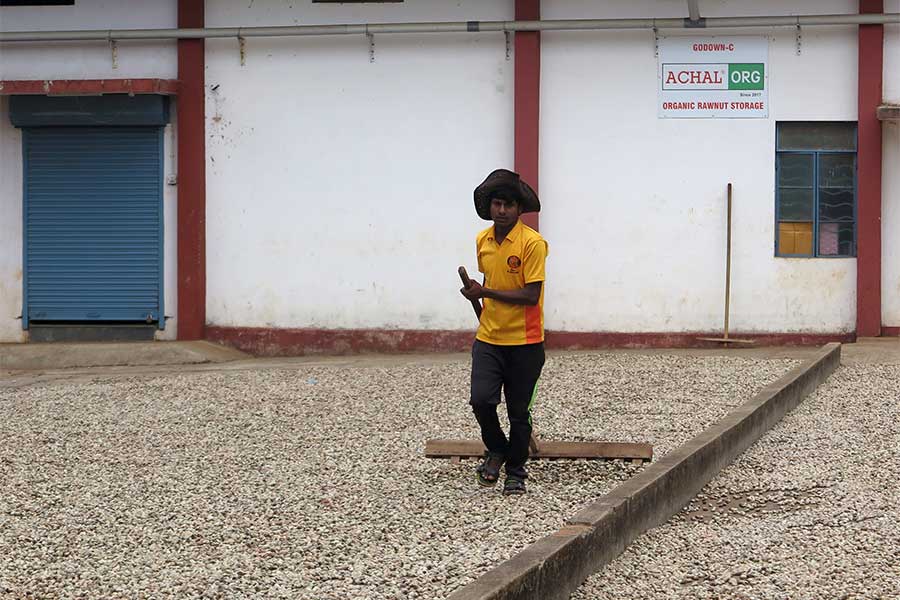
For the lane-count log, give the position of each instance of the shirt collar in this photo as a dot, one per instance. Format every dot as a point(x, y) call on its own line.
point(513, 233)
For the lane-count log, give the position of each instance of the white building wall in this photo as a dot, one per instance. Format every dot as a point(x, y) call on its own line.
point(890, 225)
point(635, 205)
point(78, 61)
point(90, 60)
point(890, 210)
point(339, 190)
point(10, 228)
point(170, 228)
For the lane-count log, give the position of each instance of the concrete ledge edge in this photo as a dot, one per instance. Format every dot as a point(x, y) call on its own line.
point(554, 566)
point(268, 341)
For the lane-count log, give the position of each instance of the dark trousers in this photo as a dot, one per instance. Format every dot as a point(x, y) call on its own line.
point(516, 370)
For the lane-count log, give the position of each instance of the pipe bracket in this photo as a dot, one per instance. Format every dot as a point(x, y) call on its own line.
point(114, 51)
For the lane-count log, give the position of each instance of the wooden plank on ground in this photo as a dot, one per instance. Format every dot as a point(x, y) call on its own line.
point(548, 449)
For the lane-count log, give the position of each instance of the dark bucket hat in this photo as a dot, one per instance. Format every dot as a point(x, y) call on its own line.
point(509, 186)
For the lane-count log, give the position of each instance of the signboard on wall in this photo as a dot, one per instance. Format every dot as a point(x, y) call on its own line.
point(714, 77)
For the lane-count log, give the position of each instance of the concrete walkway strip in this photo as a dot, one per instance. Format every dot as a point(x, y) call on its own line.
point(554, 566)
point(54, 356)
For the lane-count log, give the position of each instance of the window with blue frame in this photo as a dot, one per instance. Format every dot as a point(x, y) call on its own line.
point(815, 193)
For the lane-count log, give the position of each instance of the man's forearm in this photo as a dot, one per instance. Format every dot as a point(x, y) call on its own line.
point(526, 296)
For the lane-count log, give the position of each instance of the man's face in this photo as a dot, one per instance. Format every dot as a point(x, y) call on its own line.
point(504, 212)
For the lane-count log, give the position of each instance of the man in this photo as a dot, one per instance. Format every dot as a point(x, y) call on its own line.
point(508, 351)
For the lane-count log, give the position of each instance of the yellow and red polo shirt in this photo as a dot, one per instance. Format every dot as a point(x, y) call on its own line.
point(509, 266)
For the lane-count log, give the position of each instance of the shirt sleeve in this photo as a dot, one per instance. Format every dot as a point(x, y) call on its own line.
point(534, 259)
point(478, 254)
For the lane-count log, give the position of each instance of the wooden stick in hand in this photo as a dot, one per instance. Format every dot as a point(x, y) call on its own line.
point(467, 283)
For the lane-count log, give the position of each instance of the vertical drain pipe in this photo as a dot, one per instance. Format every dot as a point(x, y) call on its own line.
point(694, 10)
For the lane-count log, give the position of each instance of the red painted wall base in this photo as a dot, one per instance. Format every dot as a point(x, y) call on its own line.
point(300, 342)
point(890, 332)
point(65, 87)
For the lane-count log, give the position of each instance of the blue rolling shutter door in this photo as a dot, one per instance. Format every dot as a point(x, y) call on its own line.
point(93, 223)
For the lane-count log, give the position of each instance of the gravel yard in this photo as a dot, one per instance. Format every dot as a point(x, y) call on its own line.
point(810, 511)
point(310, 483)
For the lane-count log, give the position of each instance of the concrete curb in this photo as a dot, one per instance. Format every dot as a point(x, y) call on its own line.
point(554, 566)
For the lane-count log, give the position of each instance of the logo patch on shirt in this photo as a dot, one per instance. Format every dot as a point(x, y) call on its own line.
point(514, 262)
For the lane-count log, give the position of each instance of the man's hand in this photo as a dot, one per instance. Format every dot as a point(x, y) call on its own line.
point(473, 292)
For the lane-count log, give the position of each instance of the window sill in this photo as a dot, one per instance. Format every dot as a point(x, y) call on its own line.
point(808, 257)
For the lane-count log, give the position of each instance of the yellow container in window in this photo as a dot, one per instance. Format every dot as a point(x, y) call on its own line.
point(795, 238)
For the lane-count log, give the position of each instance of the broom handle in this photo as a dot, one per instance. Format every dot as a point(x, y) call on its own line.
point(728, 264)
point(467, 283)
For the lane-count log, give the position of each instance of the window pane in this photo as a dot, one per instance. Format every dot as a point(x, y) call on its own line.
point(817, 136)
point(836, 239)
point(836, 170)
point(795, 205)
point(836, 205)
point(795, 170)
point(795, 238)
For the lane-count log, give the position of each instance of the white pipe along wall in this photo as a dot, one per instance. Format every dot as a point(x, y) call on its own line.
point(451, 27)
